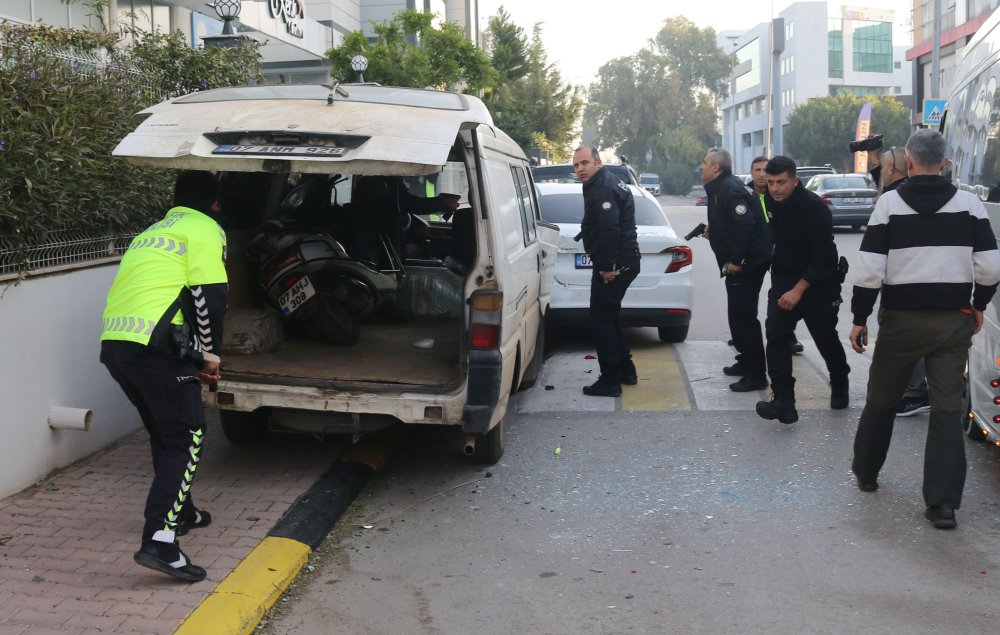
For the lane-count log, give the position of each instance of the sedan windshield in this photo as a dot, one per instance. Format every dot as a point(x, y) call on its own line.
point(568, 208)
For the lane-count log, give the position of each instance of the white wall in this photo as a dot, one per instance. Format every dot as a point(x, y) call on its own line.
point(50, 328)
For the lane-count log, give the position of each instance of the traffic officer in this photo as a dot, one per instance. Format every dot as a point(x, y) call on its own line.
point(162, 331)
point(609, 238)
point(742, 247)
point(805, 284)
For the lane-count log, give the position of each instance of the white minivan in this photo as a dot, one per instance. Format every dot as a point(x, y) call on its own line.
point(477, 281)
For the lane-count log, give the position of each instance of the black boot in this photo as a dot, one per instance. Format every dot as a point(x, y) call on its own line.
point(603, 387)
point(782, 409)
point(840, 396)
point(629, 375)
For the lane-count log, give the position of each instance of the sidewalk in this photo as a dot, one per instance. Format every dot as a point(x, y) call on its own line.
point(66, 545)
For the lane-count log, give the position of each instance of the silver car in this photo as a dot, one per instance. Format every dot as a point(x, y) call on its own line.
point(850, 196)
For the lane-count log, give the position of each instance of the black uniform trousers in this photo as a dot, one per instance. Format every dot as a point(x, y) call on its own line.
point(742, 296)
point(818, 309)
point(167, 393)
point(942, 339)
point(605, 318)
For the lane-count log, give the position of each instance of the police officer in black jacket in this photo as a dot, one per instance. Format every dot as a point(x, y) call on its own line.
point(805, 284)
point(609, 238)
point(742, 247)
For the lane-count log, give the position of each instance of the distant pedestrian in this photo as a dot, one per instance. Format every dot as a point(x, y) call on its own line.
point(929, 249)
point(805, 285)
point(161, 339)
point(742, 251)
point(609, 238)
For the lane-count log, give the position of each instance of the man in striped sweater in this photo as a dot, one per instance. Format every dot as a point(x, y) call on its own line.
point(930, 250)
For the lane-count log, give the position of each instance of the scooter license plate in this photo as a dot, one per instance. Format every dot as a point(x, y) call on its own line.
point(296, 296)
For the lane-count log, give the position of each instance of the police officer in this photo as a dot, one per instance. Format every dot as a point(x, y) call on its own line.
point(742, 248)
point(805, 284)
point(609, 237)
point(162, 331)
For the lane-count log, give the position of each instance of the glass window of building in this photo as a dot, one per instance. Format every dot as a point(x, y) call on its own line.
point(745, 140)
point(872, 46)
point(976, 8)
point(750, 52)
point(923, 16)
point(790, 29)
point(835, 46)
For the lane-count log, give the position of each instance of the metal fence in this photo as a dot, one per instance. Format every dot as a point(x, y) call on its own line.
point(66, 247)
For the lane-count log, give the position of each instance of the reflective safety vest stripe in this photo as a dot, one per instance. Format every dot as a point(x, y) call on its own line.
point(184, 250)
point(767, 217)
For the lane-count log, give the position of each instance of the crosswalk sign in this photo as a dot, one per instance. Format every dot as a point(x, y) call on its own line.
point(934, 111)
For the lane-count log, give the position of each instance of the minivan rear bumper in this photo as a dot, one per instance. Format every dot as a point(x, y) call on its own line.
point(485, 379)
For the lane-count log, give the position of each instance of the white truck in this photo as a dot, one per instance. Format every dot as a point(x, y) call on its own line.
point(478, 287)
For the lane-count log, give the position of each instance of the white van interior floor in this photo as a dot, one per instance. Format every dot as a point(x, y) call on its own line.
point(381, 347)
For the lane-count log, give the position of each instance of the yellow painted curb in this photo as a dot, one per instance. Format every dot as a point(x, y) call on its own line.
point(238, 603)
point(661, 386)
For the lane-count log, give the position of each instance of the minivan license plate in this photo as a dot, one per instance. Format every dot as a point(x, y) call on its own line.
point(296, 296)
point(583, 261)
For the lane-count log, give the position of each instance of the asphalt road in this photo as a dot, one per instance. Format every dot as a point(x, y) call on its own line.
point(676, 515)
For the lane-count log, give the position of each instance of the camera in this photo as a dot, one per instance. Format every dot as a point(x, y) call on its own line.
point(874, 142)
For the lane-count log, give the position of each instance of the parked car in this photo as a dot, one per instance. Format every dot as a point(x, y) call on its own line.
point(806, 172)
point(650, 182)
point(478, 283)
point(663, 293)
point(698, 193)
point(564, 173)
point(850, 197)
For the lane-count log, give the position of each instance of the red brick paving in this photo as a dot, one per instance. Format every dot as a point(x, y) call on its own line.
point(67, 567)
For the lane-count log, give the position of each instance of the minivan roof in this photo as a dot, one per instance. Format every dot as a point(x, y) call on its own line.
point(348, 129)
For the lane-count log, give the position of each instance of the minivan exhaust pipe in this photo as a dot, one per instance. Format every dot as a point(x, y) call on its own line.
point(470, 445)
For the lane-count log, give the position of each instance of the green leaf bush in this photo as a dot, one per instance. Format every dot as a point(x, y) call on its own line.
point(67, 97)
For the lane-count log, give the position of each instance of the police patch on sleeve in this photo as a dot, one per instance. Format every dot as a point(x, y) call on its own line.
point(741, 209)
point(606, 205)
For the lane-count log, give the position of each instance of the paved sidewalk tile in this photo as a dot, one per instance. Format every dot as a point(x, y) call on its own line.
point(66, 545)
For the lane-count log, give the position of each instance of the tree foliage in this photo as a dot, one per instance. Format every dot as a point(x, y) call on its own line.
point(539, 107)
point(408, 50)
point(819, 130)
point(66, 98)
point(662, 99)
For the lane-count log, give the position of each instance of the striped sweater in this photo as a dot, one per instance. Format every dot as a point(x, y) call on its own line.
point(928, 246)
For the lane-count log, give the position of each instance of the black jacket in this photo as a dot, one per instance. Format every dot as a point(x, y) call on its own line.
point(803, 239)
point(608, 225)
point(736, 227)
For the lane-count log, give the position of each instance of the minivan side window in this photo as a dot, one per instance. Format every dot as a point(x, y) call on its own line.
point(523, 188)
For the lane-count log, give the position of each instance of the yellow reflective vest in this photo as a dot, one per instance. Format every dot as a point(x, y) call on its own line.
point(184, 250)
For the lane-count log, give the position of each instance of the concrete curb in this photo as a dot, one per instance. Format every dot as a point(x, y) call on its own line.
point(238, 603)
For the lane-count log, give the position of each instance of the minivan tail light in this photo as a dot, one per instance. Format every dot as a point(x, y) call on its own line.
point(484, 319)
point(680, 257)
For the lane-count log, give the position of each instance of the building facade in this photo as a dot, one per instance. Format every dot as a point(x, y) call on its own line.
point(958, 22)
point(297, 33)
point(858, 56)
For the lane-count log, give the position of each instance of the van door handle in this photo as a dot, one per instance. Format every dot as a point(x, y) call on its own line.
point(539, 257)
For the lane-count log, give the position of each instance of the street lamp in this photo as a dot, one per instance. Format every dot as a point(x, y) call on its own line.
point(228, 10)
point(358, 64)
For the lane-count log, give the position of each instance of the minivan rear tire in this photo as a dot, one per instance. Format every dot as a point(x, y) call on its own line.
point(490, 445)
point(245, 428)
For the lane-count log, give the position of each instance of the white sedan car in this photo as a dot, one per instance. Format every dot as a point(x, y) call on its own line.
point(662, 294)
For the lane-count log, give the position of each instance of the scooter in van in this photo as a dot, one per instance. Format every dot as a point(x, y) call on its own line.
point(321, 289)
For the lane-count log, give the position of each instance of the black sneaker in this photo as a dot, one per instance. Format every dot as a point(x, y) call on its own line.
point(630, 376)
point(783, 411)
point(866, 486)
point(167, 557)
point(201, 519)
point(797, 347)
point(910, 407)
point(736, 370)
point(603, 388)
point(749, 383)
point(943, 516)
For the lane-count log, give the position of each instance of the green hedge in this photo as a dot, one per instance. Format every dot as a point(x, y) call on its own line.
point(66, 98)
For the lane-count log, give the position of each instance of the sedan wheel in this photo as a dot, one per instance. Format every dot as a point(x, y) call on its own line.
point(673, 334)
